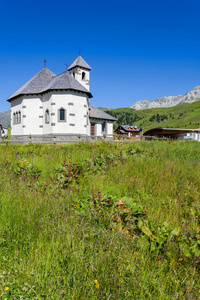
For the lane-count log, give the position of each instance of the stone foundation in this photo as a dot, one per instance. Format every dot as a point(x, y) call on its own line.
point(56, 139)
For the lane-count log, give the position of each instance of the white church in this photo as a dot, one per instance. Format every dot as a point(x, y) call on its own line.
point(58, 105)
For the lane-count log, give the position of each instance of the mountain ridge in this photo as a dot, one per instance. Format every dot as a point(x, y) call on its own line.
point(5, 118)
point(170, 101)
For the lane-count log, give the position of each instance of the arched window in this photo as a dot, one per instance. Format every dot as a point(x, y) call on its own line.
point(19, 117)
point(47, 118)
point(83, 75)
point(61, 115)
point(74, 74)
point(13, 118)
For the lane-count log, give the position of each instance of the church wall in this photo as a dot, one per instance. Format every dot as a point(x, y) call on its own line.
point(31, 121)
point(76, 106)
point(16, 106)
point(46, 101)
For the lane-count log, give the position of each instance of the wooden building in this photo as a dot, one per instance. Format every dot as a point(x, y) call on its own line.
point(173, 133)
point(129, 131)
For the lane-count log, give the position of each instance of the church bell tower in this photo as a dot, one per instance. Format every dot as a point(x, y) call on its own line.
point(80, 70)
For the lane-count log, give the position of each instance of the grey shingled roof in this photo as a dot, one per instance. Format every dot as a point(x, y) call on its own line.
point(36, 84)
point(46, 80)
point(96, 113)
point(79, 62)
point(65, 81)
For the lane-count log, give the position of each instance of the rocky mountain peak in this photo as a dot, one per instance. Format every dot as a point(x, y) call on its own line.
point(169, 101)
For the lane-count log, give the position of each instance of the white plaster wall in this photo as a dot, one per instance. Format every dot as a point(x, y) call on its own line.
point(98, 129)
point(33, 114)
point(46, 104)
point(109, 128)
point(78, 76)
point(197, 137)
point(16, 106)
point(79, 109)
point(30, 118)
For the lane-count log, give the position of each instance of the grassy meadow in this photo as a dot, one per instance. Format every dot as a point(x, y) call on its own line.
point(100, 221)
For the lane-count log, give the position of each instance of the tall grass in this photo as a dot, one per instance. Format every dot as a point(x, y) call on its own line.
point(64, 234)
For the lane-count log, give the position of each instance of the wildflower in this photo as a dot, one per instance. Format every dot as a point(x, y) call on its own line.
point(7, 288)
point(96, 283)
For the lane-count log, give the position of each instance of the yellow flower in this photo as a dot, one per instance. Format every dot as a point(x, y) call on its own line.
point(7, 288)
point(96, 283)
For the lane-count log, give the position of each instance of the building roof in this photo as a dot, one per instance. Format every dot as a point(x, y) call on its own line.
point(122, 131)
point(36, 84)
point(96, 113)
point(65, 81)
point(46, 80)
point(168, 131)
point(79, 62)
point(128, 128)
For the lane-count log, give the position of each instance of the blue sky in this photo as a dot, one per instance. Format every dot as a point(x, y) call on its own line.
point(137, 49)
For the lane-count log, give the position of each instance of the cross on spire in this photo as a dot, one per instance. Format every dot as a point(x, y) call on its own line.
point(79, 51)
point(45, 63)
point(66, 66)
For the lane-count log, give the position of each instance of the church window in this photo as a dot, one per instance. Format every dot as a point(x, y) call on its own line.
point(83, 75)
point(47, 118)
point(62, 115)
point(104, 127)
point(19, 117)
point(13, 118)
point(74, 74)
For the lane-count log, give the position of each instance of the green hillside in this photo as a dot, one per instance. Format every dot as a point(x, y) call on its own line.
point(180, 116)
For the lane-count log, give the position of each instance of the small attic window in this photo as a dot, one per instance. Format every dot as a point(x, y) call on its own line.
point(74, 74)
point(83, 75)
